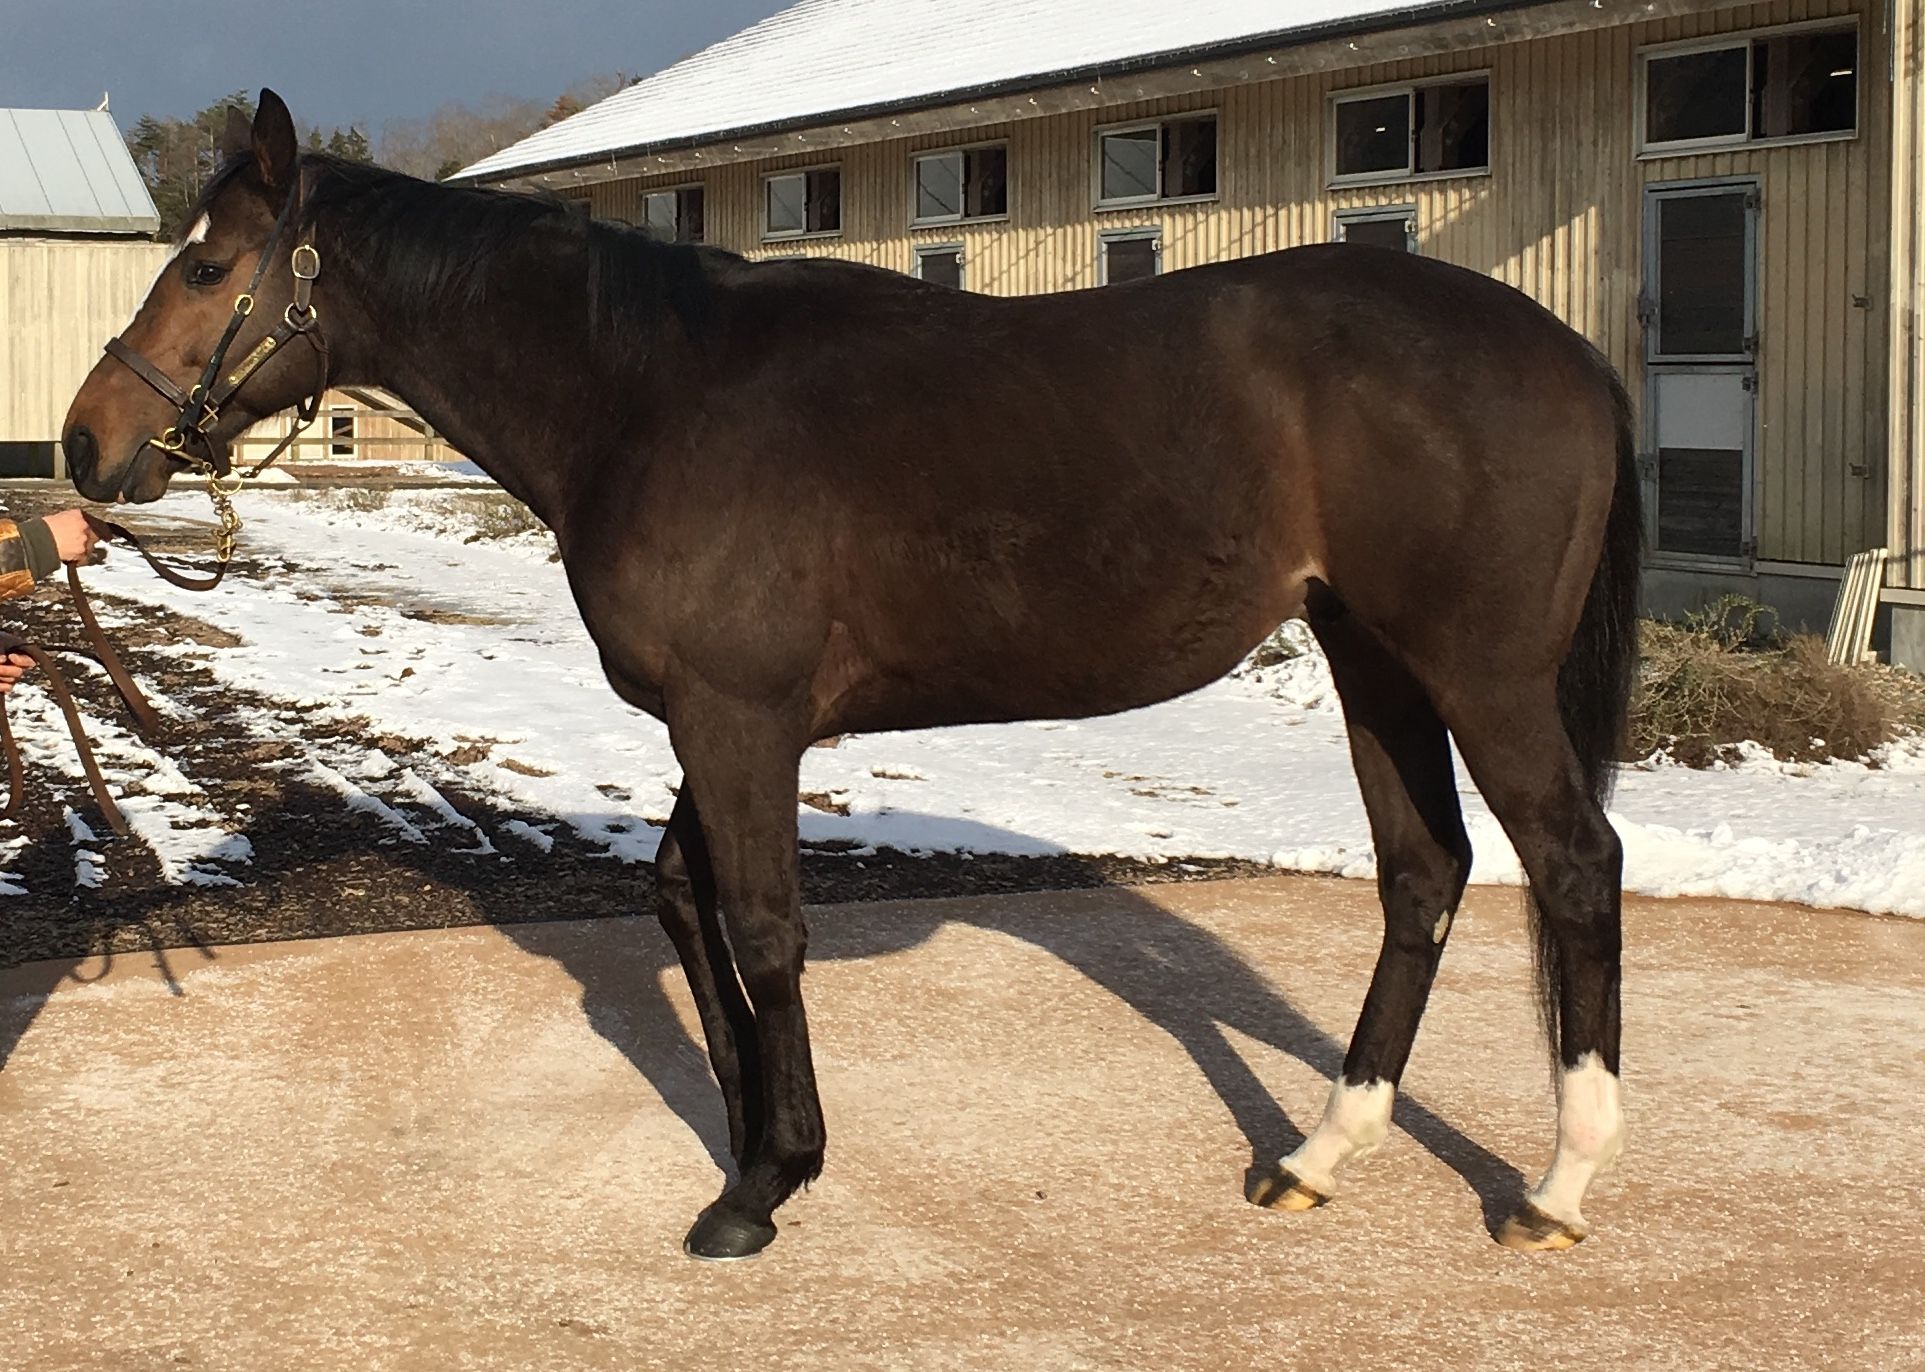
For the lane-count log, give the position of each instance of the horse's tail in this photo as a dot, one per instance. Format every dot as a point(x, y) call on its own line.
point(1600, 670)
point(1594, 685)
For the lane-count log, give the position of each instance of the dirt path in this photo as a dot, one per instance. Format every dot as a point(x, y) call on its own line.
point(480, 1148)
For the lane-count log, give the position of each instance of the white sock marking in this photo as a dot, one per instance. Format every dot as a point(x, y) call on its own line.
point(1590, 1131)
point(1355, 1120)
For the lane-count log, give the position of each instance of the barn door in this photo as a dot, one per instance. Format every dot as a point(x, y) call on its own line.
point(1699, 310)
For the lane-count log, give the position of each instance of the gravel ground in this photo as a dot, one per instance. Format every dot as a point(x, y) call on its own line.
point(321, 869)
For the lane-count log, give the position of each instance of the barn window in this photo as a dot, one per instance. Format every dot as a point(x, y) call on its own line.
point(1784, 84)
point(962, 183)
point(341, 433)
point(674, 216)
point(942, 265)
point(805, 202)
point(1131, 255)
point(1395, 229)
point(1439, 128)
point(1170, 159)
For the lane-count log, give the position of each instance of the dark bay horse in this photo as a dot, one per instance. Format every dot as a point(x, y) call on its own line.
point(803, 498)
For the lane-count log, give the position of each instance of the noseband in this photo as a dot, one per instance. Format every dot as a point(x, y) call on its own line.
point(199, 409)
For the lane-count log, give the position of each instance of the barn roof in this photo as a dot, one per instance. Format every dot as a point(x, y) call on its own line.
point(68, 171)
point(824, 60)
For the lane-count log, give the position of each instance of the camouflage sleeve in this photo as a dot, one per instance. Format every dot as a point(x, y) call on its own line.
point(27, 553)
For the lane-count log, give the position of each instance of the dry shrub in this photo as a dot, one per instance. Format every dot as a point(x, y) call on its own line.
point(1714, 680)
point(364, 499)
point(503, 517)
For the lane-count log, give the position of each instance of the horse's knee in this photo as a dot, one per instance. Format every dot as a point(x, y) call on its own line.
point(768, 957)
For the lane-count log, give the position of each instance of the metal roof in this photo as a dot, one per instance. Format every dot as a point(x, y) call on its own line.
point(68, 171)
point(829, 59)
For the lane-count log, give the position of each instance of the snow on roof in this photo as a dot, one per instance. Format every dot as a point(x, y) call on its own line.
point(68, 171)
point(824, 58)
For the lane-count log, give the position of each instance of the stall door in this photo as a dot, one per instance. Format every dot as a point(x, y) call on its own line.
point(1701, 364)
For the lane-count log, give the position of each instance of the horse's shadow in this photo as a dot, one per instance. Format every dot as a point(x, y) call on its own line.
point(1177, 975)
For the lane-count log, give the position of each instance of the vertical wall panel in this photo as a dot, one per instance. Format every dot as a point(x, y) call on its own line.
point(60, 299)
point(1906, 246)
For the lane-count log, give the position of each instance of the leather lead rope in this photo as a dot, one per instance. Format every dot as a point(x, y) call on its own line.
point(64, 697)
point(111, 532)
point(146, 718)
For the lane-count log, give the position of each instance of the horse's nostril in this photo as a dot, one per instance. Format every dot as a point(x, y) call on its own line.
point(82, 451)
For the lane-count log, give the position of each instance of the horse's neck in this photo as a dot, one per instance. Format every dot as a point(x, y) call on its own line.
point(508, 387)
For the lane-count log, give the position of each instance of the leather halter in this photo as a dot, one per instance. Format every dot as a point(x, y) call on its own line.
point(199, 408)
point(196, 410)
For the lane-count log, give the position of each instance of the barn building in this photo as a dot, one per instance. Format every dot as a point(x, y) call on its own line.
point(1728, 199)
point(77, 254)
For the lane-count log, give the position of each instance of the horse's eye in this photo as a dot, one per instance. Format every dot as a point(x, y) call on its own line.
point(205, 273)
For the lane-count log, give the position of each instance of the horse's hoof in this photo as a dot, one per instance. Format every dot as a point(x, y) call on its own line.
point(1530, 1230)
point(721, 1236)
point(1278, 1188)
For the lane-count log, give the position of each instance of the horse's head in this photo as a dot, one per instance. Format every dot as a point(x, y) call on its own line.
point(207, 352)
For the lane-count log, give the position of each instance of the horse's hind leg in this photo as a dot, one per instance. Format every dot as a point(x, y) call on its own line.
point(1521, 758)
point(685, 887)
point(1402, 757)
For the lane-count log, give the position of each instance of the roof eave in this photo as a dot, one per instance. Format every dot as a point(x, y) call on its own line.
point(97, 225)
point(1283, 39)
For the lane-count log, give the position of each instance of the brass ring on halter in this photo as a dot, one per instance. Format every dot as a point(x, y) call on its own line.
point(306, 322)
point(243, 304)
point(172, 441)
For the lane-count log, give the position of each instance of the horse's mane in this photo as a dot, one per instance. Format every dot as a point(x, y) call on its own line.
point(432, 249)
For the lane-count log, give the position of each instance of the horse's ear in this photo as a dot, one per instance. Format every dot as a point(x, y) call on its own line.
point(275, 146)
point(238, 136)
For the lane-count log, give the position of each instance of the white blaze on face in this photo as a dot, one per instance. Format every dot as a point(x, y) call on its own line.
point(198, 234)
point(1355, 1121)
point(1590, 1131)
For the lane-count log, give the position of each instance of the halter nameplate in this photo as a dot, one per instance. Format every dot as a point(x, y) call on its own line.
point(262, 351)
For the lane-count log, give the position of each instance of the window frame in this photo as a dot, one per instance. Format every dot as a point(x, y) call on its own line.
point(1651, 273)
point(1135, 233)
point(961, 150)
point(923, 250)
point(1376, 214)
point(676, 190)
point(1136, 202)
point(1748, 38)
point(791, 235)
point(1410, 89)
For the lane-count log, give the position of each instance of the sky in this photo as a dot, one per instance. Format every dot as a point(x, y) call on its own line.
point(339, 62)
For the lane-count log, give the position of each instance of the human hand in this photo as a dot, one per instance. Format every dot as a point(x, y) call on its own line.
point(12, 668)
point(73, 536)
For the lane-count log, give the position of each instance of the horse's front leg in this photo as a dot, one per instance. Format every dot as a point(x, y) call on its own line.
point(743, 761)
point(685, 886)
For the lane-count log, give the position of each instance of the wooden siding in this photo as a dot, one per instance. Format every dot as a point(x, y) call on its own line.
point(1559, 215)
point(60, 299)
point(1907, 418)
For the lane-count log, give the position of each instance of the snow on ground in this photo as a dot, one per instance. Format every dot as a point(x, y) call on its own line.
point(157, 800)
point(388, 614)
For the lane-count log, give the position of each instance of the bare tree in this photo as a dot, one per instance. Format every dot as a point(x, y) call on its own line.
point(460, 133)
